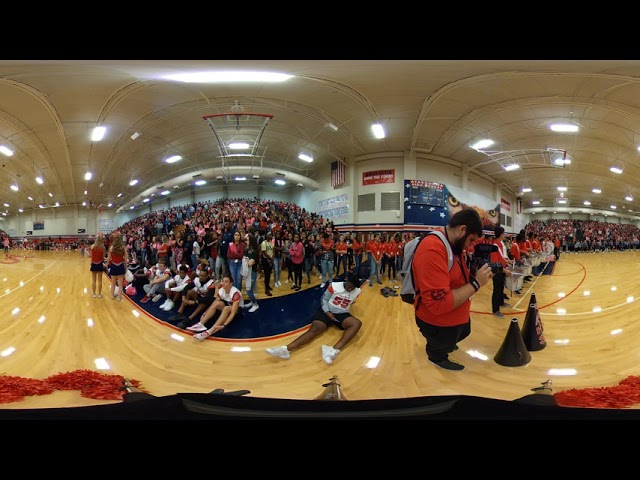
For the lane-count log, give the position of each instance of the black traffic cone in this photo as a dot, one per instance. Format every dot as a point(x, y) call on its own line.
point(513, 352)
point(532, 330)
point(331, 391)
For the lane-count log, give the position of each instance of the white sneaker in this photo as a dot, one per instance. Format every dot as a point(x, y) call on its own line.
point(280, 352)
point(322, 285)
point(254, 308)
point(329, 354)
point(202, 335)
point(198, 327)
point(247, 304)
point(156, 298)
point(164, 304)
point(169, 305)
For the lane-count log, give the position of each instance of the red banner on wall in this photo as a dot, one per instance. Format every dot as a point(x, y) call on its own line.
point(378, 176)
point(505, 205)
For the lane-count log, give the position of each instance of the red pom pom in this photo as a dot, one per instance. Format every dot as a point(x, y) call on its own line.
point(96, 385)
point(623, 395)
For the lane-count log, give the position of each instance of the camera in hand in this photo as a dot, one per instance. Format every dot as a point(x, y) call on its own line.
point(482, 255)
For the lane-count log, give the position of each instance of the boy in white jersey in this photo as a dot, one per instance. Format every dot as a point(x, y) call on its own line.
point(228, 301)
point(335, 306)
point(174, 287)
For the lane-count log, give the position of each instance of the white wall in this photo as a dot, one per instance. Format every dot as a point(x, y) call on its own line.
point(469, 187)
point(57, 221)
point(378, 216)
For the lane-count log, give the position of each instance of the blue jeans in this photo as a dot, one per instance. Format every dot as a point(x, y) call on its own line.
point(277, 267)
point(219, 268)
point(327, 271)
point(252, 296)
point(234, 268)
point(375, 270)
point(358, 258)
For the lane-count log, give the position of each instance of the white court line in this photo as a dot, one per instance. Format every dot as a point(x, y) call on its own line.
point(35, 276)
point(590, 311)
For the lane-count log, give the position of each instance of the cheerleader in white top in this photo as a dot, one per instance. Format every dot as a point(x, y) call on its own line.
point(228, 302)
point(335, 310)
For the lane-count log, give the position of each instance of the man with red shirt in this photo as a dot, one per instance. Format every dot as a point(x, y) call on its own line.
point(443, 296)
point(499, 256)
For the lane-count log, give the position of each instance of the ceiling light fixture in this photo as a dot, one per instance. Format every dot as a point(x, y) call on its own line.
point(173, 158)
point(131, 183)
point(98, 133)
point(378, 130)
point(135, 135)
point(6, 151)
point(511, 167)
point(228, 77)
point(564, 127)
point(484, 143)
point(305, 157)
point(238, 145)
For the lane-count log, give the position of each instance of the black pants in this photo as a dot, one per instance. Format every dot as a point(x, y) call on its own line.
point(441, 341)
point(497, 299)
point(267, 268)
point(297, 273)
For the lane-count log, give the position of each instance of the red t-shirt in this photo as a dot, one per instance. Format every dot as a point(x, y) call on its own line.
point(434, 282)
point(97, 255)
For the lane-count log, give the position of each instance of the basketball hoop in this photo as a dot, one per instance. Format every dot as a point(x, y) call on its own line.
point(238, 128)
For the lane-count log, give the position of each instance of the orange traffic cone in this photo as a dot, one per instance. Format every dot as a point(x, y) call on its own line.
point(332, 390)
point(513, 352)
point(532, 327)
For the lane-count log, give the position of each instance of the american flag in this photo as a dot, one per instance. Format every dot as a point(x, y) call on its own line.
point(337, 173)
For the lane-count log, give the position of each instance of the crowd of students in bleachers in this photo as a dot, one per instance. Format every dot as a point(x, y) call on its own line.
point(588, 235)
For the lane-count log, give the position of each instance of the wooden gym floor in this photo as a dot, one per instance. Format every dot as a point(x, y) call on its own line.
point(49, 323)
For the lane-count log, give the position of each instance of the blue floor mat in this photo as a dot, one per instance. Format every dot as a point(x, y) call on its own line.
point(276, 315)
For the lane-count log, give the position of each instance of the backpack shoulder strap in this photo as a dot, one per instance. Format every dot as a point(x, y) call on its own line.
point(444, 240)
